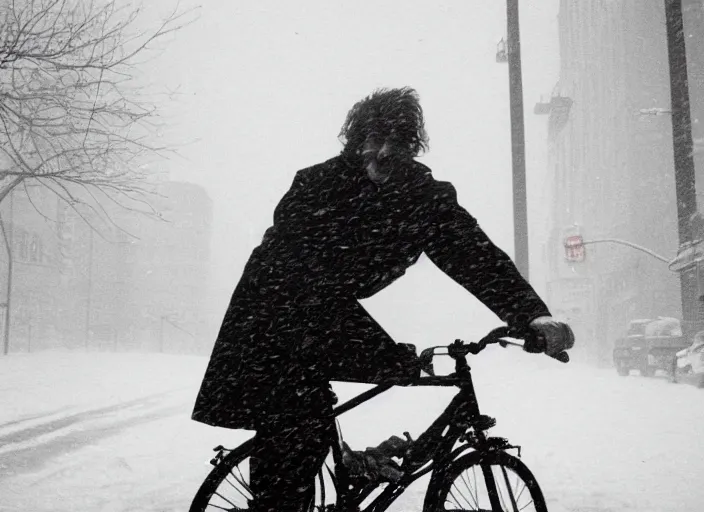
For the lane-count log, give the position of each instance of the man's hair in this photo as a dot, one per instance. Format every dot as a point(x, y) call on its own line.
point(386, 114)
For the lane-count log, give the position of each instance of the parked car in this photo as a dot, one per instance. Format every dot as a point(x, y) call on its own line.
point(627, 350)
point(688, 364)
point(650, 345)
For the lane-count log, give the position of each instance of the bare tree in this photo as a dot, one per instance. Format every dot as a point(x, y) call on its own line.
point(71, 116)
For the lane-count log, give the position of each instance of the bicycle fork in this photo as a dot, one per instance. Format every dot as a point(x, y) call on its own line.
point(463, 414)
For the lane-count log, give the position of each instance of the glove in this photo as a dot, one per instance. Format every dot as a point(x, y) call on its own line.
point(558, 336)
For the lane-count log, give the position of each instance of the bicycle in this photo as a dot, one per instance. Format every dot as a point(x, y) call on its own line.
point(455, 448)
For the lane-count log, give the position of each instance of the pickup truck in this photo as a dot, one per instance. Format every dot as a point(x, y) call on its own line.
point(649, 345)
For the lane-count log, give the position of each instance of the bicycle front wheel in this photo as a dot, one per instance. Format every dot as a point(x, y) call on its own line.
point(485, 482)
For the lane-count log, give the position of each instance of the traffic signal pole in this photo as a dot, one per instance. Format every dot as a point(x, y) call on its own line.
point(518, 145)
point(682, 144)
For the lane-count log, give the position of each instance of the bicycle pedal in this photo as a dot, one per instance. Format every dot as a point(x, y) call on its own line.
point(483, 422)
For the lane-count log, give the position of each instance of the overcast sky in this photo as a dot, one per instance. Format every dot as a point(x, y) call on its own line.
point(264, 88)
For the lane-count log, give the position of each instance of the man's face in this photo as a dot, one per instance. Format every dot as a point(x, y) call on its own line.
point(373, 153)
point(380, 160)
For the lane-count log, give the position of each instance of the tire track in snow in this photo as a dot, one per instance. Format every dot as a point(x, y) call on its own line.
point(28, 450)
point(34, 431)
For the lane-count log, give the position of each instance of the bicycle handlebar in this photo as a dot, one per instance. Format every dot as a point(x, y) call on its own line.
point(532, 342)
point(460, 349)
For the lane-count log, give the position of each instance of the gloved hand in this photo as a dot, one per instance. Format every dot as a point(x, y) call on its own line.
point(558, 335)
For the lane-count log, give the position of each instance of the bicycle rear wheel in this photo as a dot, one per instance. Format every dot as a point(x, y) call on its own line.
point(227, 486)
point(485, 482)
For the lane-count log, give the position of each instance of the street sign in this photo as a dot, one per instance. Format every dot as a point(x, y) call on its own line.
point(574, 248)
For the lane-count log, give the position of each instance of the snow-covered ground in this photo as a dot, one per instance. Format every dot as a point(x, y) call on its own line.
point(111, 432)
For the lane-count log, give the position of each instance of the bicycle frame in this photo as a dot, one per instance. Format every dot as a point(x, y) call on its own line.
point(440, 449)
point(436, 445)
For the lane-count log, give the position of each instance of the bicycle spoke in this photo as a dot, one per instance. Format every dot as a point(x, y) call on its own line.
point(514, 488)
point(522, 488)
point(469, 488)
point(219, 507)
point(224, 498)
point(237, 489)
point(476, 486)
point(240, 480)
point(463, 495)
point(451, 494)
point(519, 481)
point(510, 491)
point(474, 495)
point(471, 497)
point(474, 476)
point(456, 501)
point(243, 482)
point(501, 495)
point(524, 506)
point(459, 505)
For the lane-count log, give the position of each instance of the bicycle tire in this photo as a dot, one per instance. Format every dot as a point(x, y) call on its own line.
point(441, 484)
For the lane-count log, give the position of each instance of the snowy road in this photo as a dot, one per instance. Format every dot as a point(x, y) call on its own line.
point(110, 432)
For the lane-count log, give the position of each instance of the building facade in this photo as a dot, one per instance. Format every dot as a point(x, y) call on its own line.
point(612, 168)
point(36, 287)
point(108, 278)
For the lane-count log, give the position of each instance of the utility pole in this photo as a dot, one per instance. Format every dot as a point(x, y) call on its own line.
point(518, 145)
point(682, 145)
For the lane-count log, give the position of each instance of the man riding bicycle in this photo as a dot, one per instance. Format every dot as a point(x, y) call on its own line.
point(346, 229)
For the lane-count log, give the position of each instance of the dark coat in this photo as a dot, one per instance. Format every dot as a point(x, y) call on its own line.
point(294, 322)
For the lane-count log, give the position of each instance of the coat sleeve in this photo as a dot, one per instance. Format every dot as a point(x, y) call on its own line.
point(461, 249)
